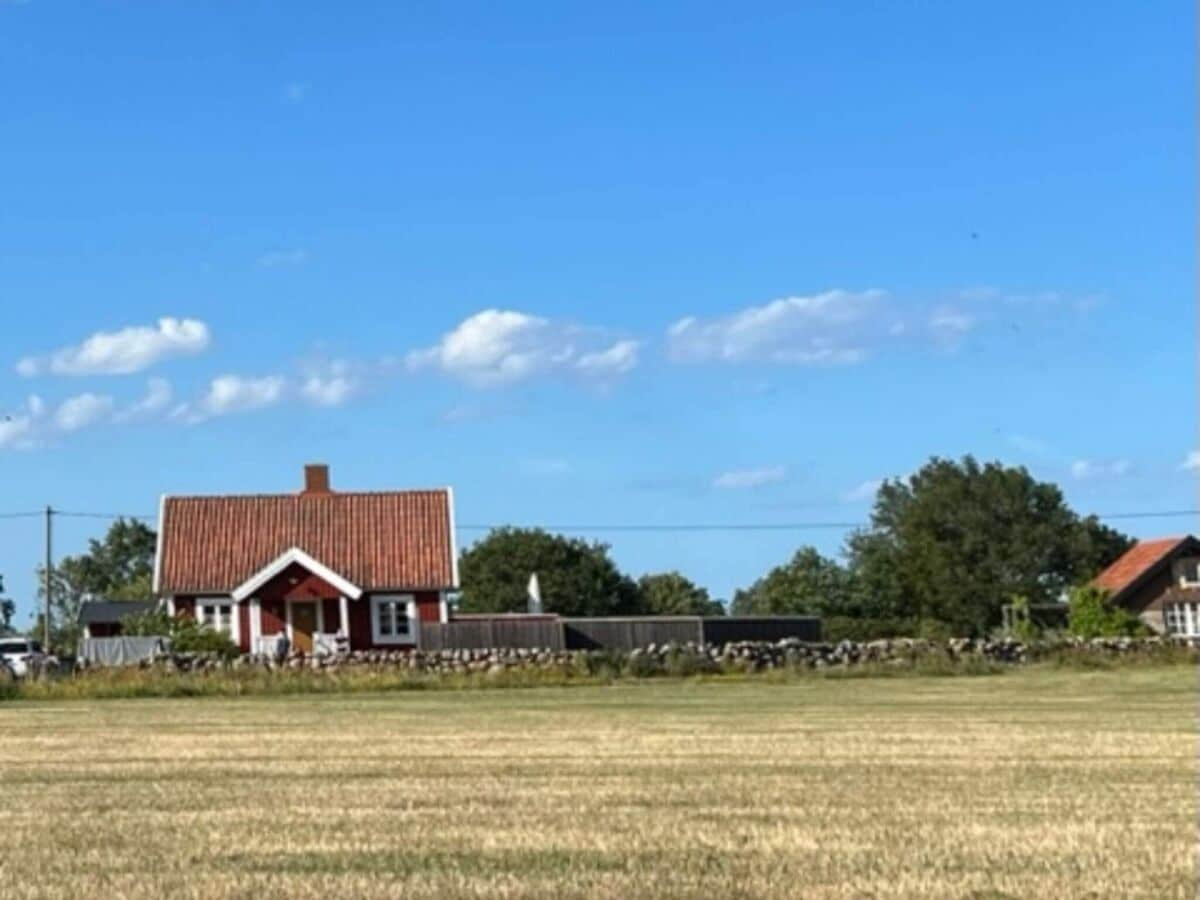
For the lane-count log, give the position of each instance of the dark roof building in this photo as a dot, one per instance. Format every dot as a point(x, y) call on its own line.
point(102, 618)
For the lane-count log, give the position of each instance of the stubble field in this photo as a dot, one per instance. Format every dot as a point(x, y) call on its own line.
point(1036, 783)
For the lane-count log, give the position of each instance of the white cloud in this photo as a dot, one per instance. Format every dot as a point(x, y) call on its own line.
point(82, 410)
point(122, 352)
point(497, 347)
point(156, 399)
point(331, 386)
point(948, 325)
point(864, 491)
point(234, 393)
point(618, 359)
point(228, 394)
point(280, 258)
point(750, 478)
point(1192, 462)
point(832, 328)
point(1087, 469)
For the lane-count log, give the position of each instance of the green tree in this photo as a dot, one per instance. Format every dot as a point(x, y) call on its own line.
point(957, 539)
point(1093, 614)
point(120, 566)
point(672, 594)
point(577, 578)
point(808, 584)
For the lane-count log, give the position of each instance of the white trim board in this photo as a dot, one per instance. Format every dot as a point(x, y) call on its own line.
point(158, 544)
point(453, 539)
point(285, 559)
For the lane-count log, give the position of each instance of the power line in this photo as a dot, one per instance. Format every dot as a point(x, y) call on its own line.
point(1165, 514)
point(630, 526)
point(101, 515)
point(778, 526)
point(736, 526)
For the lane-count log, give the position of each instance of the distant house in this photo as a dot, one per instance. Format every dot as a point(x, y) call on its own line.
point(1159, 581)
point(102, 618)
point(331, 570)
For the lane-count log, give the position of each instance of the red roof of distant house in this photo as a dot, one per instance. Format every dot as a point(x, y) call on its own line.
point(1137, 561)
point(378, 541)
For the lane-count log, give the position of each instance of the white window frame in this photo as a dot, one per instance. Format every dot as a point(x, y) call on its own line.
point(235, 618)
point(410, 607)
point(1182, 619)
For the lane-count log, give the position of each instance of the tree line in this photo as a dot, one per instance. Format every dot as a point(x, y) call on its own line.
point(944, 550)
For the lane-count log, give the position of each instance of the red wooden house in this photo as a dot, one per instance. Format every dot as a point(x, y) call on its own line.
point(329, 569)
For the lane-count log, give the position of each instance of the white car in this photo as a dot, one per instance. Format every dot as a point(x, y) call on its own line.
point(23, 656)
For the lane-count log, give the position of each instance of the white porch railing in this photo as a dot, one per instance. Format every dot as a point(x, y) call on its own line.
point(323, 644)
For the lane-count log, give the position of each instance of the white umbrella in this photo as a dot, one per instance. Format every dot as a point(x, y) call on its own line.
point(535, 594)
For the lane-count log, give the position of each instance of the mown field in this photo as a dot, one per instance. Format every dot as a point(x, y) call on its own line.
point(1036, 783)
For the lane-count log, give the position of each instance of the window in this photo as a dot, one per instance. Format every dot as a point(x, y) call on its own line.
point(1183, 619)
point(220, 617)
point(393, 619)
point(1188, 570)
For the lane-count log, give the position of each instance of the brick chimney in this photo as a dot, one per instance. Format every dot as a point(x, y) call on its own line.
point(316, 479)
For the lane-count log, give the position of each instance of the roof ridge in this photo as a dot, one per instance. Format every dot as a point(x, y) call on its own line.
point(296, 495)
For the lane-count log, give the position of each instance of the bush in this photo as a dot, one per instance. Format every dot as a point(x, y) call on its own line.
point(642, 665)
point(934, 630)
point(686, 663)
point(1092, 614)
point(186, 635)
point(1022, 627)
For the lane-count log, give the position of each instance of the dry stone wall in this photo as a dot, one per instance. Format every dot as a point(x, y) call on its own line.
point(690, 658)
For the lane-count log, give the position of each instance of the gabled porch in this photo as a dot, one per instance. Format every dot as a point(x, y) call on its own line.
point(298, 596)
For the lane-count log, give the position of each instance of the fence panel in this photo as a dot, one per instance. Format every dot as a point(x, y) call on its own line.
point(728, 630)
point(622, 634)
point(628, 633)
point(486, 634)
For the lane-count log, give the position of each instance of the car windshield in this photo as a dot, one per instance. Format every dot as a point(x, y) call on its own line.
point(7, 647)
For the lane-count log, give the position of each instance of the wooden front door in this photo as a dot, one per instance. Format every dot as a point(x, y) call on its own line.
point(304, 624)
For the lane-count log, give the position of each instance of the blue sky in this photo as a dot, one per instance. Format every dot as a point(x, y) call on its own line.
point(618, 263)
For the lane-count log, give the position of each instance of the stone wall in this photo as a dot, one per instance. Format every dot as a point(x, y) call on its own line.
point(690, 658)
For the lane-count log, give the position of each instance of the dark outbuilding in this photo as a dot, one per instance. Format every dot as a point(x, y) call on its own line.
point(102, 618)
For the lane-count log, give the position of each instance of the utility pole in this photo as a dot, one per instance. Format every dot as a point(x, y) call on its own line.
point(49, 578)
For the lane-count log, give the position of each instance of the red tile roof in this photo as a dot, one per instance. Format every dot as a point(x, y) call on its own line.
point(1136, 562)
point(378, 541)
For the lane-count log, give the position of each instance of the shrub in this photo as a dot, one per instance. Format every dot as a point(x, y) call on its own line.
point(186, 635)
point(1022, 627)
point(935, 630)
point(682, 663)
point(642, 665)
point(1093, 614)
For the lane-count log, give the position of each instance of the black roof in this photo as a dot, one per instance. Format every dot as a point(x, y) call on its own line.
point(110, 612)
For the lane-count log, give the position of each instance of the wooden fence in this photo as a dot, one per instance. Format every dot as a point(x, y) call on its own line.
point(628, 633)
point(623, 634)
point(488, 633)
